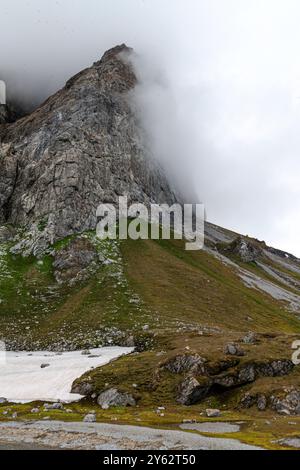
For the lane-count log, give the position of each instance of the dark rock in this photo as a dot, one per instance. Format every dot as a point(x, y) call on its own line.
point(190, 391)
point(44, 366)
point(113, 397)
point(83, 388)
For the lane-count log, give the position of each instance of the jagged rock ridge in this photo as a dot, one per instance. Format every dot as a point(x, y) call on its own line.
point(82, 147)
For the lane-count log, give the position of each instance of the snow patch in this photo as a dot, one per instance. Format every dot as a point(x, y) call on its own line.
point(22, 379)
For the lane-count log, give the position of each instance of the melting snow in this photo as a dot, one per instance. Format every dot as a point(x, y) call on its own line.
point(22, 379)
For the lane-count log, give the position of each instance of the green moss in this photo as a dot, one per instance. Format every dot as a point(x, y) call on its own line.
point(154, 283)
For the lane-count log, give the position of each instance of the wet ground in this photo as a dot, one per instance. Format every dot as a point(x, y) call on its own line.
point(100, 436)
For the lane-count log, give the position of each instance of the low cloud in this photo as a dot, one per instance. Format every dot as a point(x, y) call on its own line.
point(219, 92)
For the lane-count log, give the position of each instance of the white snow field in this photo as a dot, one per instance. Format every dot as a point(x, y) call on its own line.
point(22, 379)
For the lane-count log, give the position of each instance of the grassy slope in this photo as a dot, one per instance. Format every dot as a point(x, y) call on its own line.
point(153, 283)
point(156, 283)
point(195, 287)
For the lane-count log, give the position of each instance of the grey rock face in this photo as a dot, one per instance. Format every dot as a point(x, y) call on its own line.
point(82, 147)
point(191, 391)
point(113, 397)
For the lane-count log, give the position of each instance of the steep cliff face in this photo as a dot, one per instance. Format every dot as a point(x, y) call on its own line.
point(82, 147)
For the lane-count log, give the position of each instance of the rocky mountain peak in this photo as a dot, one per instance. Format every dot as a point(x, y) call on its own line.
point(82, 147)
point(114, 71)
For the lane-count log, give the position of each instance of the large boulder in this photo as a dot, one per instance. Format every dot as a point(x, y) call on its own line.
point(113, 397)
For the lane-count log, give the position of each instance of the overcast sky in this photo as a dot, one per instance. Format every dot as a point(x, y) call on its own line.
point(220, 93)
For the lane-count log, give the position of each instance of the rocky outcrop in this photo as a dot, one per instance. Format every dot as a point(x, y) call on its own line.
point(248, 373)
point(75, 262)
point(284, 402)
point(191, 391)
point(287, 403)
point(247, 250)
point(201, 382)
point(82, 147)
